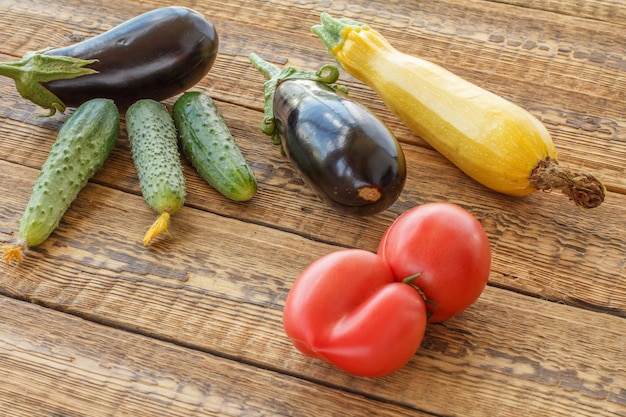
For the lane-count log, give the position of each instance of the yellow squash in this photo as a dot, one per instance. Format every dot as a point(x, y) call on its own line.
point(492, 140)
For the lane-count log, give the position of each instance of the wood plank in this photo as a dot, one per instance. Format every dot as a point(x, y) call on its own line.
point(226, 294)
point(54, 364)
point(609, 10)
point(594, 246)
point(574, 85)
point(192, 325)
point(293, 178)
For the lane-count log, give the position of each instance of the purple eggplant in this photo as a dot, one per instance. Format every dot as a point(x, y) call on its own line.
point(340, 148)
point(155, 55)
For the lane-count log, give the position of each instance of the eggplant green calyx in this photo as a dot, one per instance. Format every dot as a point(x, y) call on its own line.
point(328, 74)
point(36, 68)
point(331, 30)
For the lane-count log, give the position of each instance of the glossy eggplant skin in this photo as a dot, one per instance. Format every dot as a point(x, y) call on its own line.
point(155, 55)
point(342, 150)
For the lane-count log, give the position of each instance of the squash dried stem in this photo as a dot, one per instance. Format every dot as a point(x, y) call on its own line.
point(159, 226)
point(584, 189)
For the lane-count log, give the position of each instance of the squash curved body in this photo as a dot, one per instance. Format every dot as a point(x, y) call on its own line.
point(492, 140)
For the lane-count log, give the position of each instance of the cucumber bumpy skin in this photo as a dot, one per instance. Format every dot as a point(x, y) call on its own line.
point(154, 148)
point(83, 144)
point(208, 144)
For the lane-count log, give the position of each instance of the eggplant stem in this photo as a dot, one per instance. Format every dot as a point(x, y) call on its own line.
point(328, 74)
point(584, 189)
point(35, 68)
point(268, 69)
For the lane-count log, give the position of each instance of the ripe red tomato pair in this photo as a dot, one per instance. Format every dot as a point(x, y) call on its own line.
point(353, 308)
point(448, 248)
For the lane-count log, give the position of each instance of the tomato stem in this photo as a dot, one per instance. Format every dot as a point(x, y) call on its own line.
point(410, 280)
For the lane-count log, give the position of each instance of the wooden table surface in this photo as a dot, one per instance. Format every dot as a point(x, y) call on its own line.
point(93, 323)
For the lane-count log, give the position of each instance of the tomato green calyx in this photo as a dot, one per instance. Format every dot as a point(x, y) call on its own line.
point(35, 68)
point(328, 74)
point(410, 280)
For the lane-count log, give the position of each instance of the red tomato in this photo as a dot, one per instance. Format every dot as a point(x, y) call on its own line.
point(346, 308)
point(448, 247)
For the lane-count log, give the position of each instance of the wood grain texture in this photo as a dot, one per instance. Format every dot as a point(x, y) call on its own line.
point(58, 365)
point(192, 325)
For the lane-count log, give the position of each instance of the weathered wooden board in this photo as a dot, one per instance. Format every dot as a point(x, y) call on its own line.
point(53, 364)
point(192, 325)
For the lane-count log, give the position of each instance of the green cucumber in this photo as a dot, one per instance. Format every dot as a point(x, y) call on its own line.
point(154, 148)
point(83, 144)
point(208, 144)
